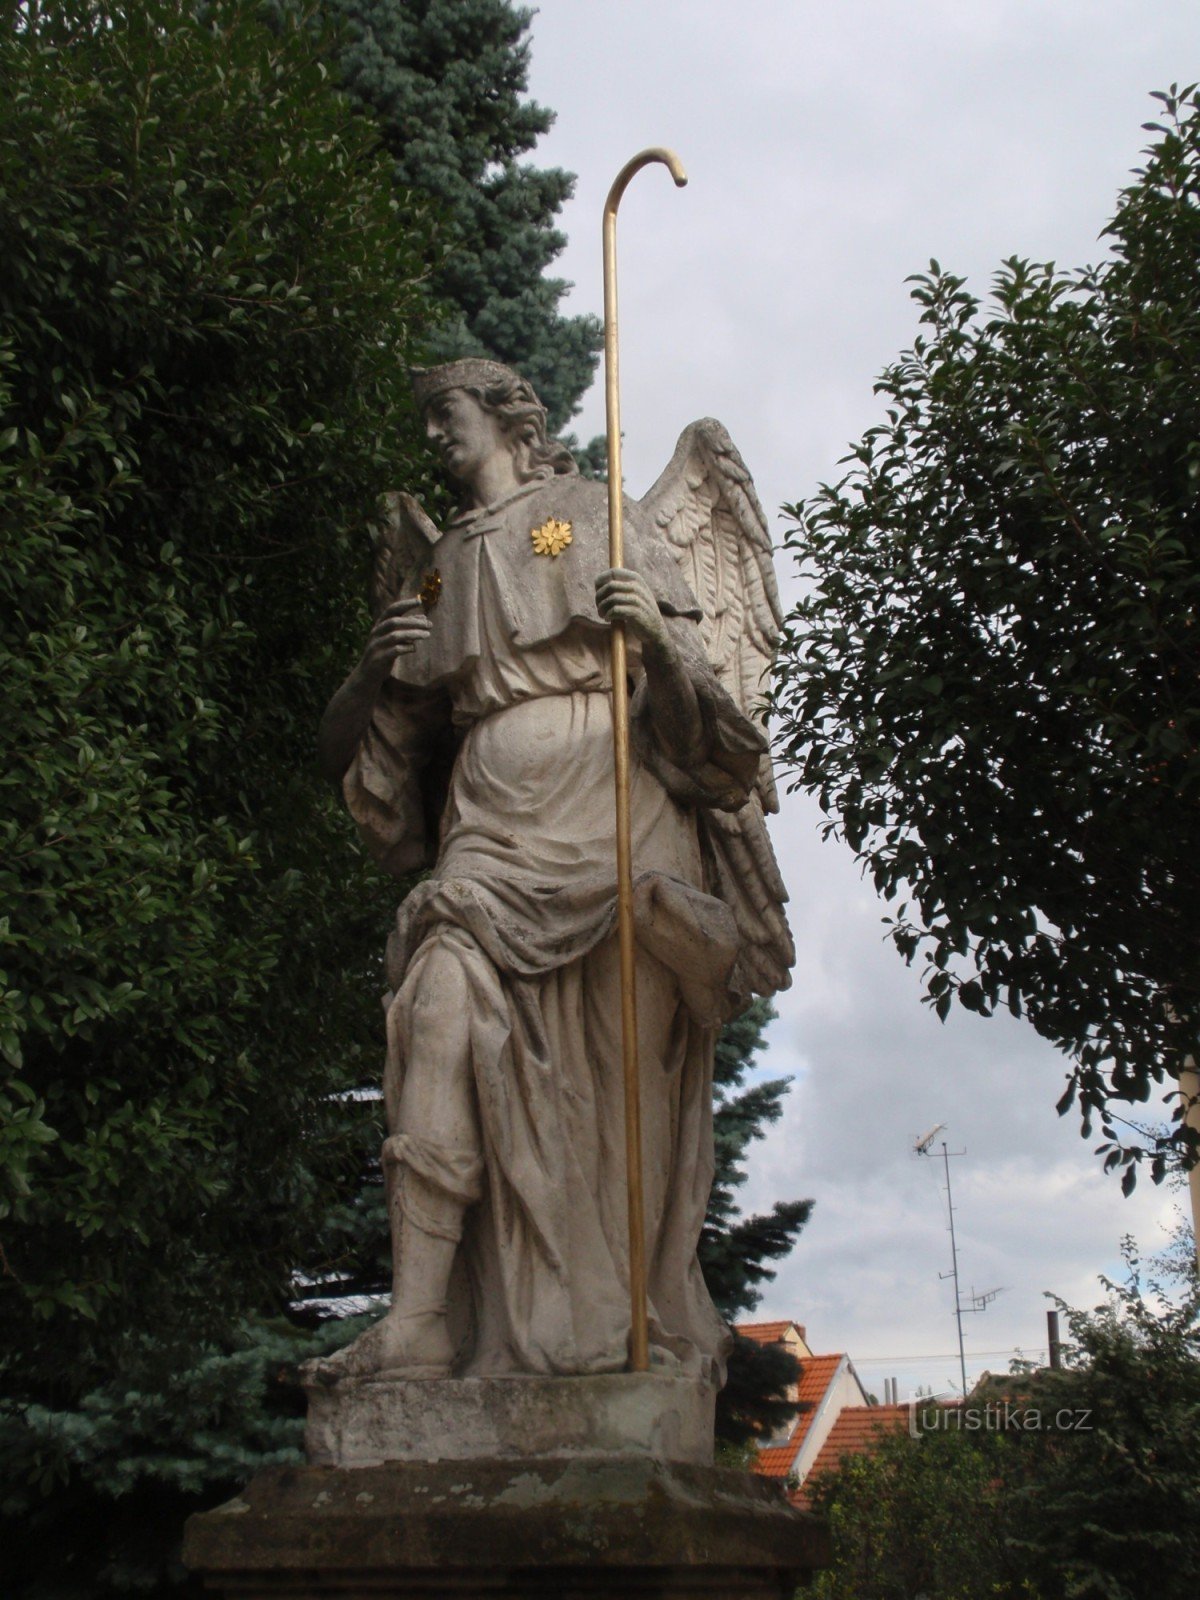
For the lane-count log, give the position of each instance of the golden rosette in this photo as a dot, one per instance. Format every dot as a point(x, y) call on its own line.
point(552, 538)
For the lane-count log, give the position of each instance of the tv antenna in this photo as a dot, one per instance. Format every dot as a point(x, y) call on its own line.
point(978, 1302)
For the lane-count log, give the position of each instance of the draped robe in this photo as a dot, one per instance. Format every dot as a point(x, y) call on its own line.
point(512, 693)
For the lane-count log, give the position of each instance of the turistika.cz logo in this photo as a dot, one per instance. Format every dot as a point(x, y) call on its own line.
point(1002, 1416)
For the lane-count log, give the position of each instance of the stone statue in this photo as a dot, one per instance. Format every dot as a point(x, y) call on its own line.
point(474, 739)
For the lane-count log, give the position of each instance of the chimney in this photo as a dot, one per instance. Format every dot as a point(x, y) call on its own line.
point(1053, 1340)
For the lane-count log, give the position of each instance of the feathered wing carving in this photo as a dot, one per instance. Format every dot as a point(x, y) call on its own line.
point(705, 507)
point(403, 536)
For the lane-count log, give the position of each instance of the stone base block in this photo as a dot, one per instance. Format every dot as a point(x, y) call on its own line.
point(366, 1422)
point(552, 1528)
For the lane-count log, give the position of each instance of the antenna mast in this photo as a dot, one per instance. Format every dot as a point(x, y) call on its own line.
point(979, 1302)
point(953, 1273)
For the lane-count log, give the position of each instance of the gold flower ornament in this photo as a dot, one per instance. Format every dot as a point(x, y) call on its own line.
point(552, 538)
point(430, 591)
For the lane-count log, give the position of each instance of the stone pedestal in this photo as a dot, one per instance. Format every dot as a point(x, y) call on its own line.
point(365, 1422)
point(554, 1529)
point(556, 1488)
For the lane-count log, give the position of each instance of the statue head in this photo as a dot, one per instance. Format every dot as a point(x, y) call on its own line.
point(510, 399)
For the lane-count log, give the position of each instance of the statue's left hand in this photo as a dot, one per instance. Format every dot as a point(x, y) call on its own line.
point(625, 596)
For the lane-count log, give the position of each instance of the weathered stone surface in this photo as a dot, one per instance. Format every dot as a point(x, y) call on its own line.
point(549, 1527)
point(360, 1422)
point(504, 1167)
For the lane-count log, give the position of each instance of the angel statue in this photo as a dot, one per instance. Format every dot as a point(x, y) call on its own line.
point(474, 740)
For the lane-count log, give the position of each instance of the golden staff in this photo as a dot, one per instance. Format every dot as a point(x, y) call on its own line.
point(639, 1344)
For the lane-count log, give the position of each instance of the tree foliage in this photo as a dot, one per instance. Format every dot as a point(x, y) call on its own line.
point(208, 300)
point(95, 1494)
point(1077, 1484)
point(735, 1250)
point(993, 681)
point(920, 1517)
point(1110, 1513)
point(444, 81)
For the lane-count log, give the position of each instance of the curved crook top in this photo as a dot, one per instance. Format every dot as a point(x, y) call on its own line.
point(643, 159)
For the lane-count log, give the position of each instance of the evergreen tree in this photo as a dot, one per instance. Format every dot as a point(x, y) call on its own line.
point(444, 81)
point(95, 1494)
point(735, 1250)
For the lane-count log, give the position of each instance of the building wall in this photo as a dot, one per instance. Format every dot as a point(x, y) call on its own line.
point(843, 1390)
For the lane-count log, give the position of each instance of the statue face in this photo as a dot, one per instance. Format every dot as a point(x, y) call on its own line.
point(466, 435)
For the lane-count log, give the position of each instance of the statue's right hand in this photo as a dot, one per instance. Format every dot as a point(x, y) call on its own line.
point(397, 632)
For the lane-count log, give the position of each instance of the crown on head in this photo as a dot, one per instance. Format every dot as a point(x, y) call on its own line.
point(475, 372)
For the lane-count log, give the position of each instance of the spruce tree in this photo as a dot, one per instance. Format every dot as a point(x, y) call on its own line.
point(735, 1250)
point(444, 81)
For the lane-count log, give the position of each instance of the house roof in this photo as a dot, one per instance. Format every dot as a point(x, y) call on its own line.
point(816, 1374)
point(855, 1431)
point(767, 1332)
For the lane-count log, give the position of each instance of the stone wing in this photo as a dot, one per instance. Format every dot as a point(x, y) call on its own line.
point(705, 508)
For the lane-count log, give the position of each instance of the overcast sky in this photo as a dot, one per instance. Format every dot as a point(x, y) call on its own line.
point(832, 149)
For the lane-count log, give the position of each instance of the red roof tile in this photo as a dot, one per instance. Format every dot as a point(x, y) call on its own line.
point(776, 1460)
point(816, 1374)
point(855, 1432)
point(766, 1332)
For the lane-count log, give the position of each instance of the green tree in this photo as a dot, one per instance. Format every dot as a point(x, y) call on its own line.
point(992, 681)
point(444, 81)
point(1077, 1484)
point(735, 1249)
point(94, 1496)
point(925, 1517)
point(208, 305)
point(1108, 1508)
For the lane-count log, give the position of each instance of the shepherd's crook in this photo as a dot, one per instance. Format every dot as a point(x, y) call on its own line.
point(639, 1343)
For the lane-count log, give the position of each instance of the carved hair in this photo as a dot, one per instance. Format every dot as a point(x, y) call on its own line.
point(522, 418)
